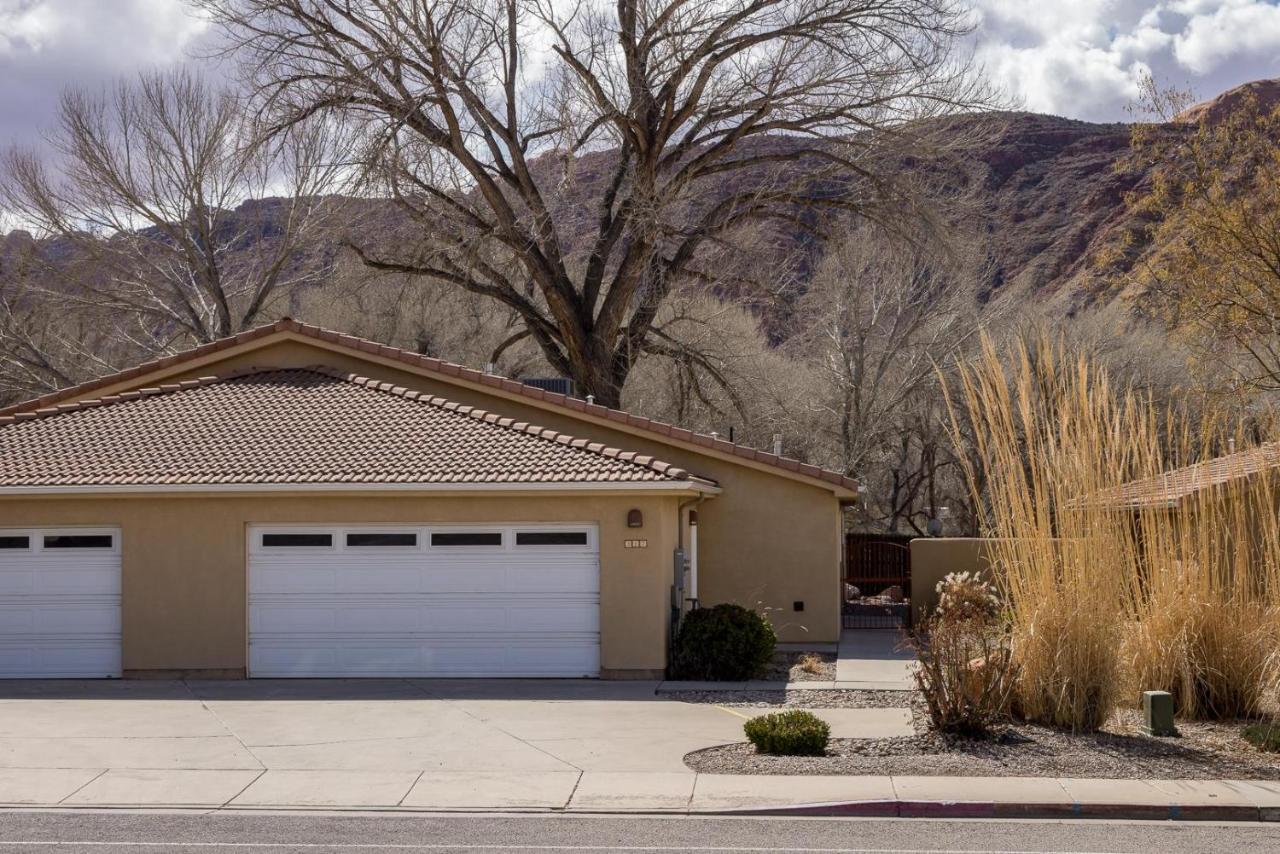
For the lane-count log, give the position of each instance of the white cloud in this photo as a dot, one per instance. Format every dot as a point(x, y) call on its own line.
point(1233, 30)
point(1084, 59)
point(46, 45)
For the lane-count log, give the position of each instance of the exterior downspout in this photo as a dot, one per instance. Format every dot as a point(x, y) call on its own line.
point(677, 582)
point(693, 556)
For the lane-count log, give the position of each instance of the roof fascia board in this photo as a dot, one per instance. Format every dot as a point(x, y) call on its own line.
point(567, 488)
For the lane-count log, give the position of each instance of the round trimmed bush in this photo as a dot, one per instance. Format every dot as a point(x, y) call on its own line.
point(791, 733)
point(726, 643)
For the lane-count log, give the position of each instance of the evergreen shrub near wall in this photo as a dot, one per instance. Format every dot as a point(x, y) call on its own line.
point(725, 643)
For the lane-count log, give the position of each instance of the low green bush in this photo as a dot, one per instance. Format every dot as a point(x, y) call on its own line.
point(726, 643)
point(791, 733)
point(1265, 737)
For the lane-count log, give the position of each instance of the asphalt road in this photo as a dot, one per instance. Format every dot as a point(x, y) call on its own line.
point(96, 833)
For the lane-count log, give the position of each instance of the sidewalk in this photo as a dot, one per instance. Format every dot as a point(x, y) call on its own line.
point(867, 660)
point(641, 792)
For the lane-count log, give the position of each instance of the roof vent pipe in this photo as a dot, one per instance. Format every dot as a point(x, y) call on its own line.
point(1231, 446)
point(777, 444)
point(591, 400)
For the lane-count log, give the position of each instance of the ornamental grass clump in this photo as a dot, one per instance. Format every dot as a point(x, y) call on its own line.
point(1115, 577)
point(790, 733)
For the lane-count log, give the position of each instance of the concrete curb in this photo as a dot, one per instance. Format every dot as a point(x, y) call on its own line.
point(849, 809)
point(992, 809)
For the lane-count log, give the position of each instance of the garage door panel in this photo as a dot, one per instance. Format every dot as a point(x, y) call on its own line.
point(485, 610)
point(462, 619)
point(301, 661)
point(103, 581)
point(271, 578)
point(365, 619)
point(379, 580)
point(567, 618)
point(15, 583)
point(553, 579)
point(284, 619)
point(56, 620)
point(60, 607)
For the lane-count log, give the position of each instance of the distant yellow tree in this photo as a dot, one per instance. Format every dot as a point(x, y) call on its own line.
point(1212, 213)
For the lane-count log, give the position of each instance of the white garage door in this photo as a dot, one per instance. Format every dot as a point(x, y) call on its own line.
point(59, 603)
point(505, 600)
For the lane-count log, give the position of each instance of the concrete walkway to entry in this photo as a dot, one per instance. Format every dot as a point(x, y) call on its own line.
point(874, 660)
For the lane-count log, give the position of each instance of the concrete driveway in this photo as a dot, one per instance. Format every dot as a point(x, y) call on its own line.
point(363, 743)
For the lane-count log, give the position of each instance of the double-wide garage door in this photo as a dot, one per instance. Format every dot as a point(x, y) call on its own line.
point(59, 603)
point(501, 600)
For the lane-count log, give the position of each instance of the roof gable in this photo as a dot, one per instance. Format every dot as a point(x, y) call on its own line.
point(448, 372)
point(299, 426)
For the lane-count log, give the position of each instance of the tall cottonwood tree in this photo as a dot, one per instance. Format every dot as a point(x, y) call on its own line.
point(696, 118)
point(146, 183)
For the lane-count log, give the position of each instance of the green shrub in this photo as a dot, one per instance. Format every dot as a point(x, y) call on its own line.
point(727, 643)
point(791, 733)
point(1265, 737)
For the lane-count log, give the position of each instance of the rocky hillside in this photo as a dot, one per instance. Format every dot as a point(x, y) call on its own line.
point(1035, 196)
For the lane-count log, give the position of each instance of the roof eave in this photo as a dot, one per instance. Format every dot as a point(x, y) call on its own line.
point(675, 487)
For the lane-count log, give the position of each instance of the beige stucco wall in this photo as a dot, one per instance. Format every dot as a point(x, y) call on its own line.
point(185, 600)
point(933, 559)
point(767, 542)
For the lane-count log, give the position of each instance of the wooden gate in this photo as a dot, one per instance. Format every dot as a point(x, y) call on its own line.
point(875, 563)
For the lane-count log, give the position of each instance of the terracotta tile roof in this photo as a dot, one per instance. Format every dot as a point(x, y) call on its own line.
point(312, 425)
point(459, 372)
point(1173, 486)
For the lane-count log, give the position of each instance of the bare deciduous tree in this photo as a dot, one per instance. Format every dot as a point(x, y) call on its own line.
point(146, 183)
point(882, 315)
point(699, 118)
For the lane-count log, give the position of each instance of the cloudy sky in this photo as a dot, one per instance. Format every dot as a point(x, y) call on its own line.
point(1077, 58)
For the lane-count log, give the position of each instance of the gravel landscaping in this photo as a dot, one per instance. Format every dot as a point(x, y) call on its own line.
point(788, 667)
point(767, 701)
point(1203, 751)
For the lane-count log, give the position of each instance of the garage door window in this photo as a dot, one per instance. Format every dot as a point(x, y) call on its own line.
point(296, 541)
point(78, 541)
point(380, 539)
point(551, 538)
point(12, 542)
point(467, 538)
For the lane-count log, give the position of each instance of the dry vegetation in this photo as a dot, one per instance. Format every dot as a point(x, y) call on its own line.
point(1111, 589)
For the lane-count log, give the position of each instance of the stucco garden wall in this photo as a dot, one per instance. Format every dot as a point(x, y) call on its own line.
point(932, 559)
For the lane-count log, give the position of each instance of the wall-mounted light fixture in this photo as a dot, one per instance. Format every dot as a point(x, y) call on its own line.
point(635, 519)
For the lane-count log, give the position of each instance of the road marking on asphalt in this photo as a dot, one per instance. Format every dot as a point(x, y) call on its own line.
point(442, 846)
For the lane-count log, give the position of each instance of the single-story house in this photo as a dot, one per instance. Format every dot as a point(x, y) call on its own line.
point(291, 501)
